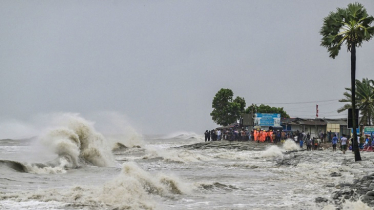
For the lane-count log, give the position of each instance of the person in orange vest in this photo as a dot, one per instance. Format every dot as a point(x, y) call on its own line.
point(259, 136)
point(263, 136)
point(271, 136)
point(267, 136)
point(255, 135)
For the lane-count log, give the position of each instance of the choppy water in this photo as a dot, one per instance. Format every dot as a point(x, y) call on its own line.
point(73, 166)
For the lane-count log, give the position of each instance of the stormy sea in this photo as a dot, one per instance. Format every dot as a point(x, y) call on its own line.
point(71, 165)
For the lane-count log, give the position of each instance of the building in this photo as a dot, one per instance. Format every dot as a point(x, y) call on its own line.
point(316, 126)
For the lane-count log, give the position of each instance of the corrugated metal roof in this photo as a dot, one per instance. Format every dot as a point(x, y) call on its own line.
point(342, 121)
point(316, 121)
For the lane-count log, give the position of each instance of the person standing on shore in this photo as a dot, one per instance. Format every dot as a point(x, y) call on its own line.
point(278, 136)
point(301, 143)
point(343, 142)
point(308, 145)
point(318, 144)
point(248, 135)
point(334, 142)
point(213, 135)
point(207, 135)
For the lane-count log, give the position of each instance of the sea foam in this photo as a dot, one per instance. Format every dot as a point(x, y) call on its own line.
point(133, 188)
point(77, 139)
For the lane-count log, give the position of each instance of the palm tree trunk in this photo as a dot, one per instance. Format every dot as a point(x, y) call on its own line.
point(369, 119)
point(353, 86)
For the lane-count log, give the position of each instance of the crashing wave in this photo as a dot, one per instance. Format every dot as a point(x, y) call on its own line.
point(180, 156)
point(133, 188)
point(275, 151)
point(78, 140)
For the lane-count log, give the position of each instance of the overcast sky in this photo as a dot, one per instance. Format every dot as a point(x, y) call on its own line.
point(158, 64)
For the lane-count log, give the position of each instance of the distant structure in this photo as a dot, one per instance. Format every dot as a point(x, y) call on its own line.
point(317, 125)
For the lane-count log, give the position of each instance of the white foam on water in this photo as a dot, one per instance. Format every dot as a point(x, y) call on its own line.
point(76, 137)
point(33, 204)
point(229, 154)
point(272, 151)
point(350, 205)
point(58, 169)
point(160, 184)
point(177, 155)
point(290, 145)
point(133, 188)
point(275, 151)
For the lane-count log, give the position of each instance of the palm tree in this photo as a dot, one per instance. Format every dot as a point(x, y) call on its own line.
point(350, 26)
point(364, 100)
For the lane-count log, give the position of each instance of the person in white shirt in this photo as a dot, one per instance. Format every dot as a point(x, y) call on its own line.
point(343, 143)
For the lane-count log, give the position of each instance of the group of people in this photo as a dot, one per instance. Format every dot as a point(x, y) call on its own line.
point(369, 144)
point(311, 143)
point(213, 135)
point(259, 135)
point(268, 136)
point(345, 143)
point(241, 134)
point(234, 134)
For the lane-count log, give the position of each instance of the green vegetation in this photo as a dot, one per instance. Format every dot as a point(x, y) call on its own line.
point(226, 110)
point(350, 26)
point(364, 100)
point(266, 109)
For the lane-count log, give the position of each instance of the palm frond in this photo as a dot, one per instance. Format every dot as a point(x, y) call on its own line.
point(350, 26)
point(364, 99)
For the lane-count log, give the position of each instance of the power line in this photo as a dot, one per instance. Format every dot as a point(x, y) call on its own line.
point(304, 102)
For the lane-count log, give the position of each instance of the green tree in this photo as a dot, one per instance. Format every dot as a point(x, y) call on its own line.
point(225, 109)
point(364, 100)
point(266, 109)
point(350, 26)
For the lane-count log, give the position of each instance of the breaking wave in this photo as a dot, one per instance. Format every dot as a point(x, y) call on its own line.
point(176, 155)
point(133, 188)
point(76, 142)
point(77, 139)
point(56, 167)
point(272, 151)
point(290, 145)
point(275, 151)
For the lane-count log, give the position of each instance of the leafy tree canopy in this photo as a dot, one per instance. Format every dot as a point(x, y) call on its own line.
point(364, 100)
point(350, 26)
point(225, 109)
point(267, 109)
